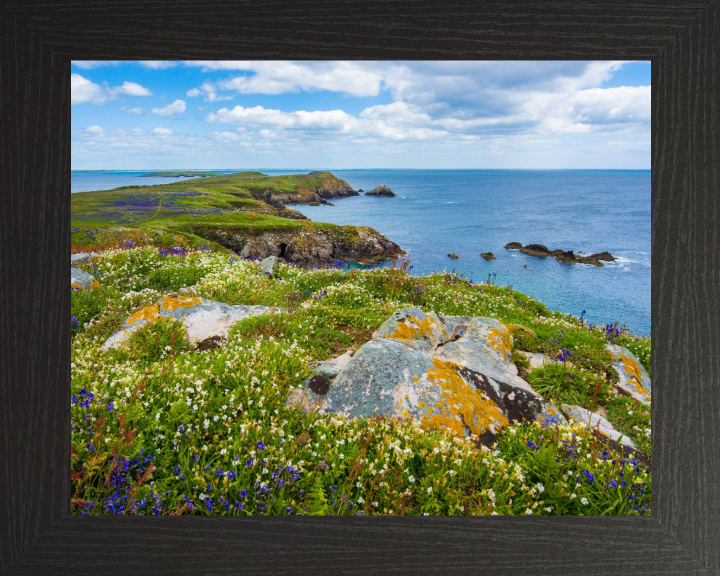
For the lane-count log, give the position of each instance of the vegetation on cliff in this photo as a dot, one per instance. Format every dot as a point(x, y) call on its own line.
point(160, 426)
point(228, 210)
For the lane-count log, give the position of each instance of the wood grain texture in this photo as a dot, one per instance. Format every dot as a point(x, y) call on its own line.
point(37, 42)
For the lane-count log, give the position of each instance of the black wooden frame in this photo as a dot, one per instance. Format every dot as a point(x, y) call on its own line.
point(37, 42)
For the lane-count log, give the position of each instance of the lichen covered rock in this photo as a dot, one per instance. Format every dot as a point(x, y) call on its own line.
point(388, 378)
point(268, 266)
point(202, 318)
point(634, 379)
point(452, 373)
point(80, 280)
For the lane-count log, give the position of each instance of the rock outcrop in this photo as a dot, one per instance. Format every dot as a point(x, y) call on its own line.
point(452, 373)
point(381, 190)
point(488, 255)
point(202, 318)
point(80, 280)
point(321, 245)
point(268, 266)
point(453, 256)
point(566, 256)
point(604, 431)
point(634, 379)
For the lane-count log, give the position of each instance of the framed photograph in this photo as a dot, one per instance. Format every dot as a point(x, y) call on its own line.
point(371, 282)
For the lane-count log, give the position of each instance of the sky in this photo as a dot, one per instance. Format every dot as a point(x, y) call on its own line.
point(335, 115)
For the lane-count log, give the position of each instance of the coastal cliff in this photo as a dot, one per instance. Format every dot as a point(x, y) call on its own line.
point(246, 213)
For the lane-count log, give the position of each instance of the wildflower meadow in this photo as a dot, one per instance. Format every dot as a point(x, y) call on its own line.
point(161, 426)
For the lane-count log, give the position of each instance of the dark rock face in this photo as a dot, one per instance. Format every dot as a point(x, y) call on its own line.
point(335, 188)
point(453, 256)
point(320, 246)
point(320, 384)
point(537, 247)
point(566, 256)
point(536, 250)
point(488, 255)
point(588, 260)
point(517, 405)
point(381, 190)
point(603, 256)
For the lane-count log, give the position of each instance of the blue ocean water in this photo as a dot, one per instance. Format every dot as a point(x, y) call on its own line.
point(472, 211)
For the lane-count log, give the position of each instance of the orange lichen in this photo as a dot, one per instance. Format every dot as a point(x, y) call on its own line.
point(460, 405)
point(500, 340)
point(146, 313)
point(424, 328)
point(175, 302)
point(632, 368)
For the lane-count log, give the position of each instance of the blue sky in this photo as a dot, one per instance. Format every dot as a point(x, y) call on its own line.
point(360, 114)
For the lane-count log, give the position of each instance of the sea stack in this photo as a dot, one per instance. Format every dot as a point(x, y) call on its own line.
point(381, 190)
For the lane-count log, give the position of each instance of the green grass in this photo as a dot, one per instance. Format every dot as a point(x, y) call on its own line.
point(162, 428)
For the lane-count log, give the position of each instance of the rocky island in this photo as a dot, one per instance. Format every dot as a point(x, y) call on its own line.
point(566, 256)
point(246, 213)
point(381, 191)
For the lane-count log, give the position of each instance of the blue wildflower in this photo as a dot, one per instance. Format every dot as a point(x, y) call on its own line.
point(260, 445)
point(243, 493)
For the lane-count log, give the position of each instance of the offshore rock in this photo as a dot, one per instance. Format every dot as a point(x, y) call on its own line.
point(536, 250)
point(453, 256)
point(603, 256)
point(513, 246)
point(488, 255)
point(202, 318)
point(634, 379)
point(381, 190)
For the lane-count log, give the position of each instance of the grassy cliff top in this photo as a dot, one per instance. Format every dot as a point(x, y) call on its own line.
point(237, 200)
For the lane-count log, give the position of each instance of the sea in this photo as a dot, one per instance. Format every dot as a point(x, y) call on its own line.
point(466, 212)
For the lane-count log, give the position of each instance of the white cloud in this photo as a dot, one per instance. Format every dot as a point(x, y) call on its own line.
point(157, 64)
point(96, 130)
point(177, 107)
point(208, 91)
point(278, 77)
point(83, 90)
point(132, 89)
point(163, 131)
point(138, 111)
point(378, 122)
